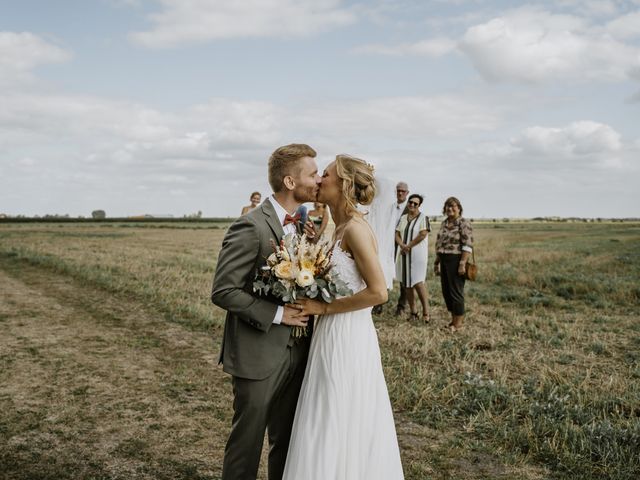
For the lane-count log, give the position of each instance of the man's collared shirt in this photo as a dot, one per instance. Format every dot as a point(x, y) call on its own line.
point(289, 228)
point(281, 212)
point(399, 209)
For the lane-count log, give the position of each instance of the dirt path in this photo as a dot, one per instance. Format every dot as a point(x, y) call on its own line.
point(93, 386)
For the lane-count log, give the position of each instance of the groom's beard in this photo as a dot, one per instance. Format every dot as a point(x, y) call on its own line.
point(305, 194)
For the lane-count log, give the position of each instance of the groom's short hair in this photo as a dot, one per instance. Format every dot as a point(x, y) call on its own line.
point(284, 161)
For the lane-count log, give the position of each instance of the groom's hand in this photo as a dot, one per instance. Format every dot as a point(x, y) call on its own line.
point(292, 317)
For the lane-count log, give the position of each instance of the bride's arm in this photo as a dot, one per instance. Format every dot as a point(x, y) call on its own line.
point(359, 240)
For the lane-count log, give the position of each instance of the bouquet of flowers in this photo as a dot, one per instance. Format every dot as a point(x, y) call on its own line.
point(298, 268)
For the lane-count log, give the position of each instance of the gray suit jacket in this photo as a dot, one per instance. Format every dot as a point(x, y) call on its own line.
point(252, 346)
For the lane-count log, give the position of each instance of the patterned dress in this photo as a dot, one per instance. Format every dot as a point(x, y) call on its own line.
point(455, 237)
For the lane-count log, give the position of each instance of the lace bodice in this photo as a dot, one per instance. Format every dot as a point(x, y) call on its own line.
point(345, 266)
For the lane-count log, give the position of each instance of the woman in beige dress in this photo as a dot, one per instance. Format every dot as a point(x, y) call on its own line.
point(255, 201)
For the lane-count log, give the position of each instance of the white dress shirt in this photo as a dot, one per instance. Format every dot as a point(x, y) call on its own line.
point(399, 209)
point(289, 228)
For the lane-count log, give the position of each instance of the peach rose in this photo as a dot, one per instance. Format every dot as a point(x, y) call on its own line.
point(284, 270)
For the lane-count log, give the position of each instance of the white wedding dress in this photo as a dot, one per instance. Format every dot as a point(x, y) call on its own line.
point(344, 428)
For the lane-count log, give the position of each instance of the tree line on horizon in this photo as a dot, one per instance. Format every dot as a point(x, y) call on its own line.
point(101, 215)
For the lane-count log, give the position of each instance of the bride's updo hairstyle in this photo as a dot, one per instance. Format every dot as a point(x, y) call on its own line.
point(358, 182)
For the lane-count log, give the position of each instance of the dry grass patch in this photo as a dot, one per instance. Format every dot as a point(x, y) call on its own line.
point(93, 388)
point(544, 382)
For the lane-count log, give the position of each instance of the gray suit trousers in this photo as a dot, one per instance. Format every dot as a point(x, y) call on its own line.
point(264, 405)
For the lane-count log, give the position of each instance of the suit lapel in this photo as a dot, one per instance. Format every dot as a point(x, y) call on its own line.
point(272, 219)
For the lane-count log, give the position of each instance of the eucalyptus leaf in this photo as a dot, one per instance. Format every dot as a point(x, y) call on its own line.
point(326, 296)
point(260, 287)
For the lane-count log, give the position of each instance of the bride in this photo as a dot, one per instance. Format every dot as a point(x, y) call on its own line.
point(344, 428)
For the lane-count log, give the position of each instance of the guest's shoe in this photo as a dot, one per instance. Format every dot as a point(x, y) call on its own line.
point(451, 328)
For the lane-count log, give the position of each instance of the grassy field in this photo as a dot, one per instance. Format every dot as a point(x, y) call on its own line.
point(108, 352)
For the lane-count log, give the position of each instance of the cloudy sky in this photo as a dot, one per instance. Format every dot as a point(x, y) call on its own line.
point(173, 106)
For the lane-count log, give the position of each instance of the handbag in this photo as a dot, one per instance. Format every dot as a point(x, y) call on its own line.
point(470, 268)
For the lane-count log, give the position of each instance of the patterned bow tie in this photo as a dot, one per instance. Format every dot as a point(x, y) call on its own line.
point(289, 219)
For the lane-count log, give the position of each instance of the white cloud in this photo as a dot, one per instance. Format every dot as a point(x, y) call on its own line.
point(21, 52)
point(81, 133)
point(578, 147)
point(218, 123)
point(627, 26)
point(532, 45)
point(231, 123)
point(435, 47)
point(196, 21)
point(83, 152)
point(89, 148)
point(579, 138)
point(405, 117)
point(74, 116)
point(570, 170)
point(26, 162)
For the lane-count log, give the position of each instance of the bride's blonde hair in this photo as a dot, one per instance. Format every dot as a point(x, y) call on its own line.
point(358, 182)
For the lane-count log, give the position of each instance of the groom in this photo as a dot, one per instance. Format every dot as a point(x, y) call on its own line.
point(266, 365)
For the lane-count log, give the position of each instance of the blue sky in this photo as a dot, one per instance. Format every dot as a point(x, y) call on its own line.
point(173, 106)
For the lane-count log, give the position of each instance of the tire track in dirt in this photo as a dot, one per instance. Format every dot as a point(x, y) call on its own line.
point(96, 386)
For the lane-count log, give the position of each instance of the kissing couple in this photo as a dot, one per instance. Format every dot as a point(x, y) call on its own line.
point(322, 399)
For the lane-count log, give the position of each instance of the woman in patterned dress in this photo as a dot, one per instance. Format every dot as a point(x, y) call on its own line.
point(454, 245)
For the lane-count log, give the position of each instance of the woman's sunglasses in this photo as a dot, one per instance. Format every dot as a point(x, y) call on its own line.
point(415, 204)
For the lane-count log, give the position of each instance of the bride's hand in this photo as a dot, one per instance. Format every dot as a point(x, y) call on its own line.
point(310, 231)
point(310, 307)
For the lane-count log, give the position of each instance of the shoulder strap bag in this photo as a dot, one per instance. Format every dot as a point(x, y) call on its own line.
point(471, 268)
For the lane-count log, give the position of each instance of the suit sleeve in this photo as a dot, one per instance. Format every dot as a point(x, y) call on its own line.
point(236, 263)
